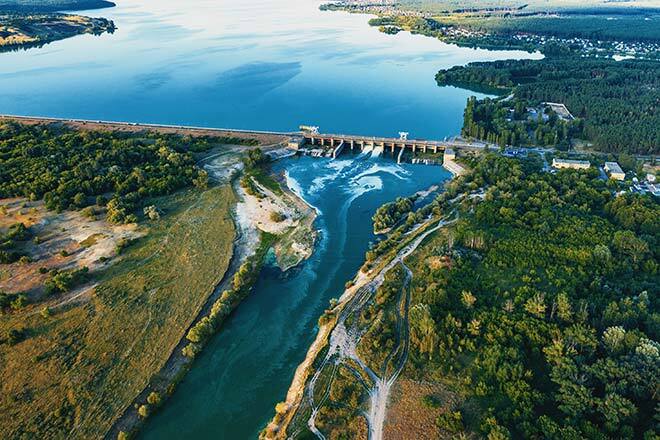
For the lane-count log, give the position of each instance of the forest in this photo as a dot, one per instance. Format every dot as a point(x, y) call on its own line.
point(614, 103)
point(74, 169)
point(543, 317)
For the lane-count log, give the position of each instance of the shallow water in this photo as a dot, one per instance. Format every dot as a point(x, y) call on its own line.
point(257, 64)
point(231, 391)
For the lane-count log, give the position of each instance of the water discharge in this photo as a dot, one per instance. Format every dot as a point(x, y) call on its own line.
point(246, 369)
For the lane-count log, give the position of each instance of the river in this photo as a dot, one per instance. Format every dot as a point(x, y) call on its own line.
point(269, 65)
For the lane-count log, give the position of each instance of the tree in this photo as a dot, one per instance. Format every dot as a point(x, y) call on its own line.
point(151, 212)
point(154, 399)
point(143, 411)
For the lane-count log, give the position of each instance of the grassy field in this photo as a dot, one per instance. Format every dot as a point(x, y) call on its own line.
point(78, 368)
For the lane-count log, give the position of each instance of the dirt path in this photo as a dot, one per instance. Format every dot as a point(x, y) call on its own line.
point(344, 339)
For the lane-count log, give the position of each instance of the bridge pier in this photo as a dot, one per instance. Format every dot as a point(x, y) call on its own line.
point(351, 144)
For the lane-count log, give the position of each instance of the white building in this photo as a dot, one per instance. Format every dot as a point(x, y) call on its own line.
point(570, 163)
point(615, 171)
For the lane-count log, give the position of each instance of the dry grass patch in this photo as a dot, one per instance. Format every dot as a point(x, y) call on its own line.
point(77, 370)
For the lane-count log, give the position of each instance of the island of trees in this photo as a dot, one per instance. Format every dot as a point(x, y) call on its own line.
point(23, 31)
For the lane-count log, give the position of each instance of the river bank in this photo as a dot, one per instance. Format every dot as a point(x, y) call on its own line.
point(332, 339)
point(252, 217)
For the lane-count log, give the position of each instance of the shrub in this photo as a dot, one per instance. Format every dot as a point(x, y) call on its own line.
point(277, 216)
point(431, 401)
point(63, 281)
point(143, 411)
point(154, 399)
point(151, 212)
point(191, 350)
point(451, 421)
point(14, 336)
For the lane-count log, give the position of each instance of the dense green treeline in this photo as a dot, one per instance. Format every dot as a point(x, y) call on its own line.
point(615, 103)
point(73, 169)
point(594, 27)
point(544, 311)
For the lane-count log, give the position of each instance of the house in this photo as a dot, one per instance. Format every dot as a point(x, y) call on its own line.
point(570, 163)
point(615, 171)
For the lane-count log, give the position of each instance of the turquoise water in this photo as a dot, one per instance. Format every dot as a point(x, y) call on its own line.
point(231, 391)
point(259, 64)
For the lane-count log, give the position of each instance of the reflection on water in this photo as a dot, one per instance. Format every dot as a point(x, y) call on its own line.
point(256, 64)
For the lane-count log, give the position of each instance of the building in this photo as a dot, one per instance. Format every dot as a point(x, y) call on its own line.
point(561, 110)
point(296, 142)
point(615, 171)
point(650, 178)
point(570, 163)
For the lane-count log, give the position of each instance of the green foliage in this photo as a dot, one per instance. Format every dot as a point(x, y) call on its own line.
point(64, 280)
point(9, 241)
point(451, 421)
point(67, 167)
point(15, 301)
point(241, 284)
point(154, 399)
point(613, 102)
point(255, 158)
point(16, 335)
point(548, 311)
point(391, 213)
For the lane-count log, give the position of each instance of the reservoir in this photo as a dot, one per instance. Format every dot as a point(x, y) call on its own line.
point(254, 64)
point(267, 65)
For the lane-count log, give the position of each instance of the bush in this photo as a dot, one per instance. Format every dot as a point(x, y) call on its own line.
point(63, 281)
point(14, 336)
point(451, 421)
point(191, 350)
point(277, 216)
point(431, 401)
point(154, 399)
point(143, 411)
